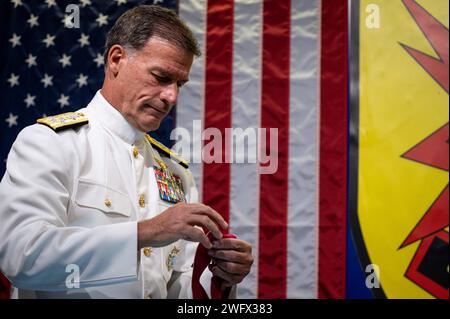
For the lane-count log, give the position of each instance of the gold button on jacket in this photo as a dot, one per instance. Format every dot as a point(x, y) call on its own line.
point(142, 201)
point(108, 202)
point(135, 152)
point(147, 251)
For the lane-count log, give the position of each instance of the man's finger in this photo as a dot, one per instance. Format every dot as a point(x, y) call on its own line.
point(229, 255)
point(215, 216)
point(232, 268)
point(197, 235)
point(233, 244)
point(232, 279)
point(206, 222)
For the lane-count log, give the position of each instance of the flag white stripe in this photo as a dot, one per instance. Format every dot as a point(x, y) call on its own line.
point(246, 102)
point(191, 99)
point(303, 145)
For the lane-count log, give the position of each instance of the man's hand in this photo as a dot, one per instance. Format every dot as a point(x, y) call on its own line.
point(232, 260)
point(179, 222)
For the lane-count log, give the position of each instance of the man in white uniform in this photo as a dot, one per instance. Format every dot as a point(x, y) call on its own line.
point(91, 206)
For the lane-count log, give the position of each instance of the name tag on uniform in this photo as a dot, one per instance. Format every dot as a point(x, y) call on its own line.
point(169, 185)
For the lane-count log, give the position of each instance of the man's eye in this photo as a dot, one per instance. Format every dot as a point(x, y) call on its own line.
point(162, 79)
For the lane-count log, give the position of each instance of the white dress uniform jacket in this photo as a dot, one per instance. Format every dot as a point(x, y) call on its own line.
point(70, 201)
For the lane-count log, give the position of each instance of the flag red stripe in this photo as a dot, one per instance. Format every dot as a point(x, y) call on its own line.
point(218, 91)
point(333, 150)
point(5, 287)
point(273, 202)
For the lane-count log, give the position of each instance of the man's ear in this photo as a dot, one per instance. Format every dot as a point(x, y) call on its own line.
point(116, 56)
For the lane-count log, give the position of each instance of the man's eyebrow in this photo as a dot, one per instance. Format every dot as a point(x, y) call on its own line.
point(166, 73)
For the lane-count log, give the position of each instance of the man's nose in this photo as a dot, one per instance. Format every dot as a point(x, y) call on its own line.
point(169, 94)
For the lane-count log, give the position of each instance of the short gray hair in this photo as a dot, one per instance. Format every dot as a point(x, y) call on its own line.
point(136, 26)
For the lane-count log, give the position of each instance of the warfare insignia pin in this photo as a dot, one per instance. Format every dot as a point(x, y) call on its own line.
point(171, 259)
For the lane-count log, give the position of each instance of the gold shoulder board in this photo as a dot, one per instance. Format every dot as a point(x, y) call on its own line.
point(63, 121)
point(166, 151)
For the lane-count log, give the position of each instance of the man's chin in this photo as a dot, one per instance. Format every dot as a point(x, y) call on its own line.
point(150, 126)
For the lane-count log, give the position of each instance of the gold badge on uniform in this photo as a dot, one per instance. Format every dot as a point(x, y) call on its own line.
point(169, 185)
point(171, 259)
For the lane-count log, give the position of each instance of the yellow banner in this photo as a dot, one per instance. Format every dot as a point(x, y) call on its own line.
point(403, 135)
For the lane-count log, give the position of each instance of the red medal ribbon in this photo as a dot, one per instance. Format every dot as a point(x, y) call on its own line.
point(201, 261)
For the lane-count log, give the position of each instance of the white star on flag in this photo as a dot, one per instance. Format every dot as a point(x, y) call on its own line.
point(65, 60)
point(119, 2)
point(16, 3)
point(84, 40)
point(99, 60)
point(13, 80)
point(50, 3)
point(82, 80)
point(85, 3)
point(49, 40)
point(63, 100)
point(15, 40)
point(29, 101)
point(67, 21)
point(12, 120)
point(31, 60)
point(102, 19)
point(47, 80)
point(33, 20)
point(157, 1)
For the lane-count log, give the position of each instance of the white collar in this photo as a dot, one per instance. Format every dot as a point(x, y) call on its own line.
point(113, 120)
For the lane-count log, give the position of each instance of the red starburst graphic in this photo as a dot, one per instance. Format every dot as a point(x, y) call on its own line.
point(428, 269)
point(433, 151)
point(437, 35)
